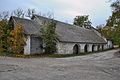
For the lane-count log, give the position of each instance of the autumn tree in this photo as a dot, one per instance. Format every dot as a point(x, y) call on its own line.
point(100, 28)
point(2, 25)
point(113, 23)
point(17, 39)
point(49, 36)
point(5, 29)
point(82, 21)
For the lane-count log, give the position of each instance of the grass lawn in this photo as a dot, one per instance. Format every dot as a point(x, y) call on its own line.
point(47, 55)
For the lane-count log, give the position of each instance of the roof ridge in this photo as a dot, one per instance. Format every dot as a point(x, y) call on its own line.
point(54, 20)
point(22, 18)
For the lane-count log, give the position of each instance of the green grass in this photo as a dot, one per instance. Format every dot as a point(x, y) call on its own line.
point(65, 55)
point(6, 54)
point(41, 55)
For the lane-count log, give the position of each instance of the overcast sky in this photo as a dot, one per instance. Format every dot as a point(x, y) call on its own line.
point(64, 10)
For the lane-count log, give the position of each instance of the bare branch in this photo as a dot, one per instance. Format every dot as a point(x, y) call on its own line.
point(30, 12)
point(4, 15)
point(18, 13)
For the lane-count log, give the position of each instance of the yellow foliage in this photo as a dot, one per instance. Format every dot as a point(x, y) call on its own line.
point(17, 39)
point(2, 26)
point(2, 23)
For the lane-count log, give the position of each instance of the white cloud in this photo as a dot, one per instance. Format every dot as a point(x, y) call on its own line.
point(98, 10)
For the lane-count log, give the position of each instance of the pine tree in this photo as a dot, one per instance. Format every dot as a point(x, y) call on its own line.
point(49, 36)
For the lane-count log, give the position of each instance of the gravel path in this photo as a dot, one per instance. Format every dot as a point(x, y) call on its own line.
point(99, 66)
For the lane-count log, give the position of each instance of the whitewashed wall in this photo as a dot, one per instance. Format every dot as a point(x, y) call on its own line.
point(33, 46)
point(109, 44)
point(27, 46)
point(65, 48)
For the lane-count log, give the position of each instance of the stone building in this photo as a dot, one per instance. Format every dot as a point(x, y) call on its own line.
point(71, 38)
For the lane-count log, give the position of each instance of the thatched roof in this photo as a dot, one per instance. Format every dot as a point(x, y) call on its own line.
point(31, 27)
point(66, 32)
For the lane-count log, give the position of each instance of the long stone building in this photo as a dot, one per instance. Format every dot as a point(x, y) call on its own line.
point(71, 38)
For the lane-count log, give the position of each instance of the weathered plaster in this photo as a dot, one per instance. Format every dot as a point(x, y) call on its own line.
point(90, 47)
point(27, 46)
point(82, 48)
point(96, 48)
point(65, 48)
point(109, 44)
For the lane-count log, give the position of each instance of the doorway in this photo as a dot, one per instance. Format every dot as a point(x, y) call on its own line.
point(86, 48)
point(76, 49)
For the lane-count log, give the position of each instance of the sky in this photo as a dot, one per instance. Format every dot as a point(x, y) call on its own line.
point(64, 10)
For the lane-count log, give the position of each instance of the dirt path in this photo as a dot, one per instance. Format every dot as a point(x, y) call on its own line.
point(99, 66)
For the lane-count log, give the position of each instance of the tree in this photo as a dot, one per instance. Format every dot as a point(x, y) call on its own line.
point(113, 23)
point(82, 21)
point(18, 13)
point(17, 39)
point(30, 13)
point(49, 36)
point(116, 6)
point(101, 29)
point(5, 29)
point(2, 24)
point(4, 15)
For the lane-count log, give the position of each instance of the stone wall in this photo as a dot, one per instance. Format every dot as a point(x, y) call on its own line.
point(33, 46)
point(65, 48)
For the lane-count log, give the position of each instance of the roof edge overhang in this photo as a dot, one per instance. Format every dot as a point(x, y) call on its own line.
point(81, 42)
